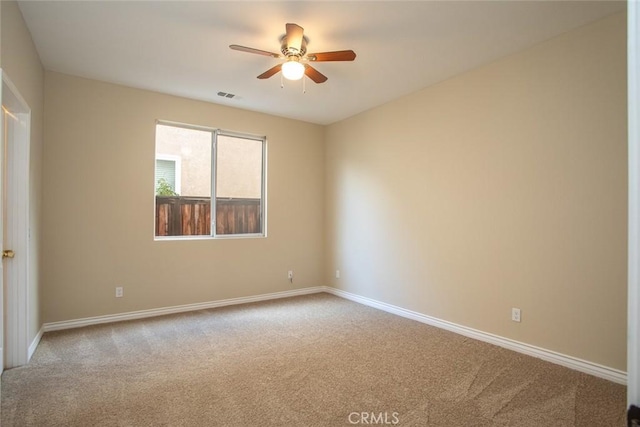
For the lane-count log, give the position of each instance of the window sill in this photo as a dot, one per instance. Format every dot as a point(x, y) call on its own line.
point(221, 237)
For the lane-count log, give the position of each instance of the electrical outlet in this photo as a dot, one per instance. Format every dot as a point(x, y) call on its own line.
point(290, 275)
point(515, 314)
point(119, 292)
point(337, 274)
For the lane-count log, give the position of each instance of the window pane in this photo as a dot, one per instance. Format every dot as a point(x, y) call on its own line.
point(165, 176)
point(189, 212)
point(238, 185)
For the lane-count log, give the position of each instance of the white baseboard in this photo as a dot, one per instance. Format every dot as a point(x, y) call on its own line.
point(587, 367)
point(132, 315)
point(34, 343)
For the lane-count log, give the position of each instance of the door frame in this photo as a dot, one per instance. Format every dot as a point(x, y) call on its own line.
point(16, 227)
point(633, 297)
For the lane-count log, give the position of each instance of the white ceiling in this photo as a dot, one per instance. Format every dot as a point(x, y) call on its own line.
point(181, 47)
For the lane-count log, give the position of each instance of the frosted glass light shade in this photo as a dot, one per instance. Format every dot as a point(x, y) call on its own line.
point(292, 70)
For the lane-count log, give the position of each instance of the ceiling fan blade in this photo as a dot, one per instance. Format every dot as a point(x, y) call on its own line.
point(270, 72)
point(340, 55)
point(294, 36)
point(256, 51)
point(314, 74)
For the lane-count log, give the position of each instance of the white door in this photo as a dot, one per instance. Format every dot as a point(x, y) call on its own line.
point(633, 334)
point(14, 225)
point(2, 168)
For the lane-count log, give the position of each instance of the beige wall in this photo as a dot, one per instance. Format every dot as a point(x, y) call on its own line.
point(99, 200)
point(503, 187)
point(22, 64)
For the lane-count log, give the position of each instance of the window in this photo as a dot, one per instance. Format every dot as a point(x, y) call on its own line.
point(168, 174)
point(208, 182)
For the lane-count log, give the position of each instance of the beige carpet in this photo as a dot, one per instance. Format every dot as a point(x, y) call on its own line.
point(316, 360)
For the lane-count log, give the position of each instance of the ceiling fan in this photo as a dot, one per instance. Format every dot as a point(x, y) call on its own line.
point(294, 50)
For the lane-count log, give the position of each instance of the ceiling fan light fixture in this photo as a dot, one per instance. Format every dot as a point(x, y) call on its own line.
point(293, 46)
point(292, 70)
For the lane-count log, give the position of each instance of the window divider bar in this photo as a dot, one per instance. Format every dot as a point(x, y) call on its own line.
point(214, 161)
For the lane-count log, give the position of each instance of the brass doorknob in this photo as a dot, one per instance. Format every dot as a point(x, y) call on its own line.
point(8, 254)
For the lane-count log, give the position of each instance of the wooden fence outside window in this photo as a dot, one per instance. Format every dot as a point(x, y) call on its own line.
point(191, 216)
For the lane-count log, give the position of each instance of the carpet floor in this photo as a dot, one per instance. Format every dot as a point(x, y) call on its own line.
point(315, 360)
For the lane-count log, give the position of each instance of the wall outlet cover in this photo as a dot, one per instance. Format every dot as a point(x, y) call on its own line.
point(515, 314)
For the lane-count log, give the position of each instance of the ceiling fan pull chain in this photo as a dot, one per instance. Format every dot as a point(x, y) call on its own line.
point(304, 85)
point(281, 81)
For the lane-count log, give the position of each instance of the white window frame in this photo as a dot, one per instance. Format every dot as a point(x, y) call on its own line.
point(263, 188)
point(263, 199)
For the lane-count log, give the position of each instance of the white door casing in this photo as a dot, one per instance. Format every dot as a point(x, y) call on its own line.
point(633, 296)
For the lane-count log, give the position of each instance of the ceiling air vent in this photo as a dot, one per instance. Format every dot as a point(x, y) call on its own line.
point(226, 95)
